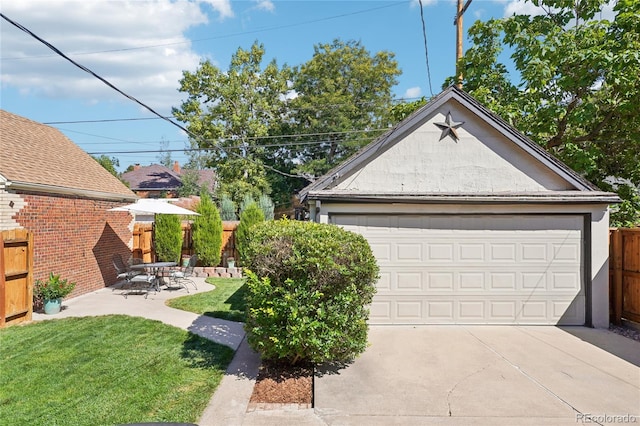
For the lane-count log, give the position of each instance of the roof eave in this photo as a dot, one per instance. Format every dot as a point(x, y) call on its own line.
point(61, 190)
point(574, 197)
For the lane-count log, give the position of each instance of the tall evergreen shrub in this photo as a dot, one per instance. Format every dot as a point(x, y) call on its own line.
point(227, 208)
point(207, 232)
point(249, 217)
point(168, 237)
point(266, 205)
point(246, 202)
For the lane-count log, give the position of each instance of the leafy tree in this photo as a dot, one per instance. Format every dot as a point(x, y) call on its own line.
point(249, 217)
point(403, 110)
point(227, 208)
point(229, 111)
point(207, 231)
point(579, 90)
point(190, 184)
point(342, 93)
point(168, 237)
point(109, 163)
point(308, 290)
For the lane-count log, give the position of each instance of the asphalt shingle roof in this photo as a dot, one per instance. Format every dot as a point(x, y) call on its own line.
point(32, 152)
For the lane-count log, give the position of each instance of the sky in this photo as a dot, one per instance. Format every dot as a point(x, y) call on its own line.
point(143, 46)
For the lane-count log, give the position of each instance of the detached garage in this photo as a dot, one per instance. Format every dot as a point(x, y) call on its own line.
point(471, 222)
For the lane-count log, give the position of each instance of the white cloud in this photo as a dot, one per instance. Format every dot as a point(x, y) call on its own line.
point(223, 7)
point(526, 7)
point(522, 7)
point(412, 92)
point(106, 37)
point(265, 5)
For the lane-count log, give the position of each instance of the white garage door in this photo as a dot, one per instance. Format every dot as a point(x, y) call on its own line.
point(470, 269)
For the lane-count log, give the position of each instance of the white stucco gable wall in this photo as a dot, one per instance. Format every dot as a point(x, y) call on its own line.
point(482, 161)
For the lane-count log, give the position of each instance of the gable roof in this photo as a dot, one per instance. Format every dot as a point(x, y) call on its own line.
point(561, 183)
point(154, 177)
point(40, 158)
point(157, 177)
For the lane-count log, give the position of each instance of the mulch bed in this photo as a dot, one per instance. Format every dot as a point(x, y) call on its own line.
point(279, 383)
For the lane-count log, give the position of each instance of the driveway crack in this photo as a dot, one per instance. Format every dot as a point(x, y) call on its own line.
point(525, 374)
point(480, 370)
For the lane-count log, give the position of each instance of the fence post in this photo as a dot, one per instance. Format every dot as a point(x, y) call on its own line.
point(617, 275)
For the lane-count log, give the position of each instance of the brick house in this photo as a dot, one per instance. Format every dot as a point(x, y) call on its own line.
point(158, 181)
point(51, 187)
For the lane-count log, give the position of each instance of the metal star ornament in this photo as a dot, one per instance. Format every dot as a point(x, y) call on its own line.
point(449, 127)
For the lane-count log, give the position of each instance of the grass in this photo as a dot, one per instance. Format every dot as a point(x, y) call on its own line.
point(226, 301)
point(106, 370)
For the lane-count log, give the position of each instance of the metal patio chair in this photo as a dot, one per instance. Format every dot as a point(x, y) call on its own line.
point(180, 278)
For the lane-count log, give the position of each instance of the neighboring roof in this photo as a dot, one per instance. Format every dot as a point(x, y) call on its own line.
point(334, 184)
point(40, 158)
point(155, 177)
point(205, 177)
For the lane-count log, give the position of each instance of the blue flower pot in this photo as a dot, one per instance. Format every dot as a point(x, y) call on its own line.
point(52, 306)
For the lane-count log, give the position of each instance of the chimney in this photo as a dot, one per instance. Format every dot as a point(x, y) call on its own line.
point(176, 167)
point(136, 166)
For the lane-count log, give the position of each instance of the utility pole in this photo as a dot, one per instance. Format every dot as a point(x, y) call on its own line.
point(458, 23)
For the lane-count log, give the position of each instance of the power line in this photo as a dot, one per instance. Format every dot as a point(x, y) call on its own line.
point(258, 30)
point(426, 48)
point(142, 104)
point(318, 108)
point(250, 147)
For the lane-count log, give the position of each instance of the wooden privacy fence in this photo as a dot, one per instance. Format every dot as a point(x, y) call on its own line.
point(16, 276)
point(143, 241)
point(624, 274)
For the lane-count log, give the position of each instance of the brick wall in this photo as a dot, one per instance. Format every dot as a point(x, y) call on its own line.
point(76, 238)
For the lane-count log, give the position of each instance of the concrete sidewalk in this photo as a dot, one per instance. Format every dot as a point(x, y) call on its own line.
point(108, 301)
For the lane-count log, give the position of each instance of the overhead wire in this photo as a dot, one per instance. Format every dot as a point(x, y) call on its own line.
point(426, 47)
point(257, 30)
point(126, 95)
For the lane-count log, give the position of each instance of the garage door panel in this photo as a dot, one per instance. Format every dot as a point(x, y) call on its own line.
point(475, 269)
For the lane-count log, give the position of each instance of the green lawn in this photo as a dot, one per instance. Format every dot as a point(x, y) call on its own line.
point(226, 301)
point(106, 370)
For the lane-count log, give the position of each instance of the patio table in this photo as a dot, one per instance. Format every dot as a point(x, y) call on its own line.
point(154, 268)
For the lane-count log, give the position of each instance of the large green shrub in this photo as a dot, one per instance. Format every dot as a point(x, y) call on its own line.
point(249, 217)
point(207, 232)
point(168, 237)
point(309, 287)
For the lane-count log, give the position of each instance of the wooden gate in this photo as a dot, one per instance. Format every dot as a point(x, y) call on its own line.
point(16, 277)
point(624, 274)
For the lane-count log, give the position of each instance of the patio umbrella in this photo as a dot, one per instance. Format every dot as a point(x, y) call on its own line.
point(153, 206)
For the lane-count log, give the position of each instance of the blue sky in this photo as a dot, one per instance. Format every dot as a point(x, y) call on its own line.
point(142, 47)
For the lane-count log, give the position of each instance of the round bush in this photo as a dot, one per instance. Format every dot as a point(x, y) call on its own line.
point(309, 287)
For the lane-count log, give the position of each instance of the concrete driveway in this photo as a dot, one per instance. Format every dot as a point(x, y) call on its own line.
point(492, 375)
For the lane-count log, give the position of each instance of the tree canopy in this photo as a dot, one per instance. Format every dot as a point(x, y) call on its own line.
point(230, 111)
point(266, 128)
point(578, 90)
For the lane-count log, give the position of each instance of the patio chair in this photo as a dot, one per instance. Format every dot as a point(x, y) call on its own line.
point(180, 278)
point(142, 283)
point(123, 272)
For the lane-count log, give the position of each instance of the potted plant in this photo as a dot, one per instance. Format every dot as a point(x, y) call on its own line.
point(51, 292)
point(231, 262)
